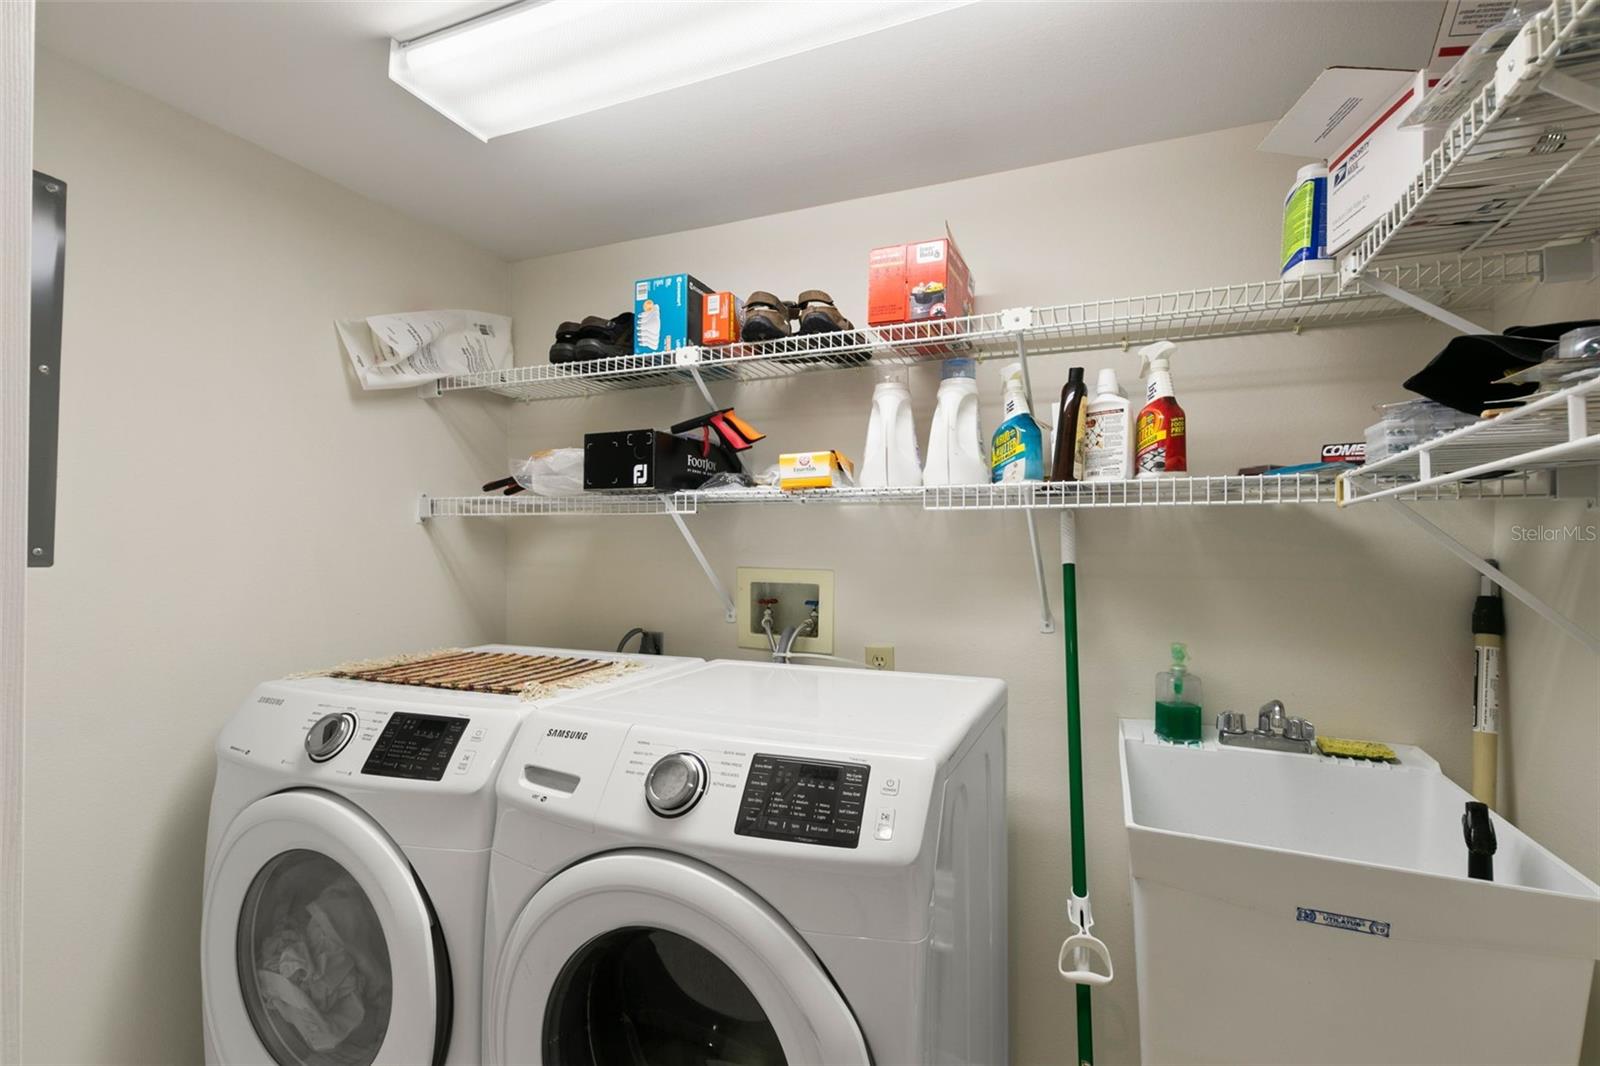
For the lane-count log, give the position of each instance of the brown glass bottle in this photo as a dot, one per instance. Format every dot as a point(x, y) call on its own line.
point(1067, 464)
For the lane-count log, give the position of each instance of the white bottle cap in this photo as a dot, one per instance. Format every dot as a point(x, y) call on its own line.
point(1107, 382)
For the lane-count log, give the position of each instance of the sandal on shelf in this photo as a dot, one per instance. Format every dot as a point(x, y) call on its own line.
point(606, 338)
point(818, 315)
point(593, 338)
point(766, 318)
point(565, 349)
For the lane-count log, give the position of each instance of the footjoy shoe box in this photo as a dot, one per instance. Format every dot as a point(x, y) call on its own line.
point(667, 312)
point(649, 460)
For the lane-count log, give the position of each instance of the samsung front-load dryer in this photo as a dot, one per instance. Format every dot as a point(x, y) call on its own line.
point(753, 864)
point(346, 869)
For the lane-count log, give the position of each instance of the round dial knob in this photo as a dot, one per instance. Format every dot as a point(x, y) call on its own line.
point(675, 783)
point(328, 736)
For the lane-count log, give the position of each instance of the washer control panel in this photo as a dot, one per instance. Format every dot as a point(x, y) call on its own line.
point(416, 746)
point(805, 800)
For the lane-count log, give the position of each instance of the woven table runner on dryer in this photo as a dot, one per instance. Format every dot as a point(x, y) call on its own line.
point(502, 673)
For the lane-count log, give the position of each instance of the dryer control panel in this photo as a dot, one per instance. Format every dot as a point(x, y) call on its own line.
point(805, 800)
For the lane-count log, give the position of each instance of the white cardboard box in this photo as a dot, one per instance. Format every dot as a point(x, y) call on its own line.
point(1369, 174)
point(1351, 117)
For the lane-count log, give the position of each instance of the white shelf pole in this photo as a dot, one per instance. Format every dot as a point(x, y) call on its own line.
point(1047, 621)
point(729, 614)
point(1495, 574)
point(1417, 303)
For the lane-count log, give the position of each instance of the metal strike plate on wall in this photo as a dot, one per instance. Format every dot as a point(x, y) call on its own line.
point(44, 379)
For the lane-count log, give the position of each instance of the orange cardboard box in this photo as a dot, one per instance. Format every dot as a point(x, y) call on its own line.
point(922, 282)
point(721, 316)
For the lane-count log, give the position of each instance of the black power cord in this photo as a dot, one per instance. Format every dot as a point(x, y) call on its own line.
point(651, 641)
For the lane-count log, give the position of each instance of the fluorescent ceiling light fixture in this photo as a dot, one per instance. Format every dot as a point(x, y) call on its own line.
point(541, 61)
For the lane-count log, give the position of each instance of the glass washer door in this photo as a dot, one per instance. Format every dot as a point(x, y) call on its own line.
point(648, 959)
point(317, 946)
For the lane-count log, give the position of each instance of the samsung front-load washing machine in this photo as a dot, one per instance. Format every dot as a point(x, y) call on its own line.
point(346, 869)
point(754, 864)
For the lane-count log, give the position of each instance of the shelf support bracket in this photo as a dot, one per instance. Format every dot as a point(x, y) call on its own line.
point(689, 356)
point(1047, 621)
point(1019, 320)
point(1495, 574)
point(1417, 303)
point(424, 509)
point(1575, 92)
point(729, 614)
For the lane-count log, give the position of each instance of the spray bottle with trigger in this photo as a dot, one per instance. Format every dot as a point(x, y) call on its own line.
point(1161, 442)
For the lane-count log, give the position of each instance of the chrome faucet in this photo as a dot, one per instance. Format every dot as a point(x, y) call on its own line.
point(1275, 730)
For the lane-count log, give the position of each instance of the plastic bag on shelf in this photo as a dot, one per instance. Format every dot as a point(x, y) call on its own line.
point(727, 481)
point(1472, 71)
point(416, 347)
point(552, 472)
point(1408, 423)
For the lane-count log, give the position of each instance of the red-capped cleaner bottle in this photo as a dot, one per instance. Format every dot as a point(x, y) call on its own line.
point(1161, 433)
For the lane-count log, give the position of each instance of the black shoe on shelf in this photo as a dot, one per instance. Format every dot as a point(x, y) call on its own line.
point(593, 338)
point(606, 338)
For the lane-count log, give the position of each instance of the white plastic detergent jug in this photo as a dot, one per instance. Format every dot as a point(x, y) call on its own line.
point(890, 456)
point(956, 455)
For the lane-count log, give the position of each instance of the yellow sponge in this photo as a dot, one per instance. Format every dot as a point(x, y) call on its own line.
point(1356, 749)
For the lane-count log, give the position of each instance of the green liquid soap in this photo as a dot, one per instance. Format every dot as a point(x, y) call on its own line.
point(1178, 720)
point(1178, 700)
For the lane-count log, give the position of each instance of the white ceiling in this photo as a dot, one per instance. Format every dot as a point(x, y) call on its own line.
point(984, 88)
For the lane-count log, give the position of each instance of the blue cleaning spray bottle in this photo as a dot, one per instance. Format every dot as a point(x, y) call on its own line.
point(1017, 453)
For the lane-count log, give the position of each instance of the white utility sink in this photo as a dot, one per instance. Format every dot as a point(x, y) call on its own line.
point(1301, 909)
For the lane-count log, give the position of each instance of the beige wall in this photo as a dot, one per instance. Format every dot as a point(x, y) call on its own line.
point(232, 509)
point(1352, 618)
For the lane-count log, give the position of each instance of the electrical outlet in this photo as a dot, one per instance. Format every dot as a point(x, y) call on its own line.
point(788, 594)
point(880, 656)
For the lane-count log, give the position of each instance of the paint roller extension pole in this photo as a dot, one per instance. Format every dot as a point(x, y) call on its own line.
point(1488, 689)
point(1069, 638)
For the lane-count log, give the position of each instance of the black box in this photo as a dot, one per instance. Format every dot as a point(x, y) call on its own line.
point(650, 460)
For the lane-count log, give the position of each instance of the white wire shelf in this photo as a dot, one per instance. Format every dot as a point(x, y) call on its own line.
point(1558, 430)
point(1229, 310)
point(1520, 166)
point(1228, 490)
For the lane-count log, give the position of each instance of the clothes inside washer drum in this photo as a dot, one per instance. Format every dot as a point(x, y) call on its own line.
point(320, 964)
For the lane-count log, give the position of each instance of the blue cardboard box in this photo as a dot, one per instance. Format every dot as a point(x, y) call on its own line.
point(666, 312)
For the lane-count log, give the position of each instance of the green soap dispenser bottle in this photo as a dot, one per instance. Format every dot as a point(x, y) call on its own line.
point(1178, 700)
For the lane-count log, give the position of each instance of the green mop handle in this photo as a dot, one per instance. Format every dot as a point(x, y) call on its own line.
point(1080, 865)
